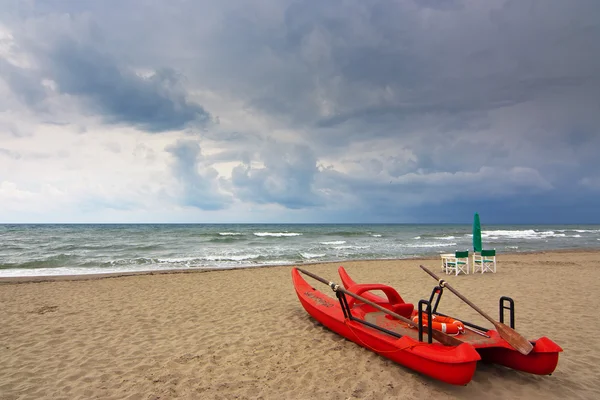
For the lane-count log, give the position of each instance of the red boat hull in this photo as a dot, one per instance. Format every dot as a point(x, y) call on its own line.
point(452, 364)
point(455, 365)
point(542, 360)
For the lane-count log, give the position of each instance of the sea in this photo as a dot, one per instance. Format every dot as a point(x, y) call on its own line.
point(78, 249)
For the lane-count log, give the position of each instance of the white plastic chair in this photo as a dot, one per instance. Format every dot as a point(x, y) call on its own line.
point(484, 261)
point(457, 264)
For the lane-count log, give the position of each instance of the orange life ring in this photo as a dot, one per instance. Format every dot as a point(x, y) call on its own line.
point(447, 325)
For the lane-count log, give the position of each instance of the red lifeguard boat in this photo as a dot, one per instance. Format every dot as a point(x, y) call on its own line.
point(411, 344)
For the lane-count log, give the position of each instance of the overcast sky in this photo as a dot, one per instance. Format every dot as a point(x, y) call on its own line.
point(300, 111)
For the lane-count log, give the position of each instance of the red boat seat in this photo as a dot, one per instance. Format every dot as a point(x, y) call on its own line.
point(404, 309)
point(396, 303)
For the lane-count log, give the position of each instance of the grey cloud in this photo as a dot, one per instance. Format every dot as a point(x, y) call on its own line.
point(366, 60)
point(12, 129)
point(144, 152)
point(457, 89)
point(199, 181)
point(27, 86)
point(113, 147)
point(591, 182)
point(10, 154)
point(383, 57)
point(424, 197)
point(501, 95)
point(484, 183)
point(287, 178)
point(156, 103)
point(439, 4)
point(245, 156)
point(72, 53)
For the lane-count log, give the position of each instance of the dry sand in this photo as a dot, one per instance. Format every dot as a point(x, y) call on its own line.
point(242, 334)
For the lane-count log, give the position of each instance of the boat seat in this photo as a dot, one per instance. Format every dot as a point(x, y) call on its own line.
point(392, 295)
point(404, 309)
point(395, 302)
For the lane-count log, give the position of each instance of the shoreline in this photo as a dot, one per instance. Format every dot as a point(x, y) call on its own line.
point(109, 275)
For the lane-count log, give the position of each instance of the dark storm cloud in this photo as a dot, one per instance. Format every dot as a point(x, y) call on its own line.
point(155, 103)
point(416, 104)
point(373, 58)
point(439, 4)
point(71, 53)
point(199, 182)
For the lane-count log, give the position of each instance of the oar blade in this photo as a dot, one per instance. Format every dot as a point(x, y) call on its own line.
point(521, 344)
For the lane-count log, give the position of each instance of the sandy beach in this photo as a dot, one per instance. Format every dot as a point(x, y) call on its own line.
point(242, 334)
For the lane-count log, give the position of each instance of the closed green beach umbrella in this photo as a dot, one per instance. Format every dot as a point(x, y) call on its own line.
point(476, 234)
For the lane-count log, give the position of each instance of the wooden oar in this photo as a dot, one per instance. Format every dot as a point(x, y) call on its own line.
point(441, 337)
point(521, 344)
